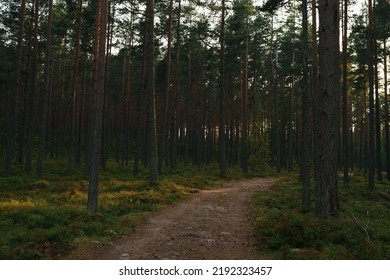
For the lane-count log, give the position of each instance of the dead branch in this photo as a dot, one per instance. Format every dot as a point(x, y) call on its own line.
point(365, 227)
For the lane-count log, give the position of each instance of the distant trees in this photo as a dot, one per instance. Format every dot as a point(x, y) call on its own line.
point(226, 83)
point(14, 99)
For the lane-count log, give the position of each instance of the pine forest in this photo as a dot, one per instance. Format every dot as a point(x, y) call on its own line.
point(113, 109)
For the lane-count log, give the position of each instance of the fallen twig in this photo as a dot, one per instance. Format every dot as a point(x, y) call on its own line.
point(365, 228)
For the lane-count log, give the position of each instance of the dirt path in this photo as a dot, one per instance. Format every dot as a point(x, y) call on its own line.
point(212, 224)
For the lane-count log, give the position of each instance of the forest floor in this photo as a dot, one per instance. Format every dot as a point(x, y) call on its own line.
point(213, 223)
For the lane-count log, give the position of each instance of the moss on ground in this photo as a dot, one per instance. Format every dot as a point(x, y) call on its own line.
point(361, 232)
point(46, 218)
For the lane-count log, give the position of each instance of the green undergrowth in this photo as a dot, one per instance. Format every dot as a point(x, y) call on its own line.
point(361, 232)
point(47, 218)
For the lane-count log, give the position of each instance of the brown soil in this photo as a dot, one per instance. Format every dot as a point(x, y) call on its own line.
point(215, 223)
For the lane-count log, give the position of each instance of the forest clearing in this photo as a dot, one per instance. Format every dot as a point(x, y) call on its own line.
point(236, 129)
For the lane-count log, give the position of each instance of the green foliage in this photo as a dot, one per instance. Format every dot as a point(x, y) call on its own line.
point(382, 11)
point(47, 218)
point(284, 232)
point(271, 6)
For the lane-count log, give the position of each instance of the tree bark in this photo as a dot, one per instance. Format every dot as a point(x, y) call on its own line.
point(291, 116)
point(314, 76)
point(73, 93)
point(45, 93)
point(164, 126)
point(244, 143)
point(306, 114)
point(378, 142)
point(83, 106)
point(346, 147)
point(139, 103)
point(34, 90)
point(328, 111)
point(175, 93)
point(274, 65)
point(387, 142)
point(15, 98)
point(106, 128)
point(97, 104)
point(187, 109)
point(221, 131)
point(371, 144)
point(149, 93)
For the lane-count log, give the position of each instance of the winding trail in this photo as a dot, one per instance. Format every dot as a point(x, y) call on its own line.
point(215, 223)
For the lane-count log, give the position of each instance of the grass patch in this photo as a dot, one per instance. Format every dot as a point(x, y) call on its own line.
point(47, 218)
point(361, 232)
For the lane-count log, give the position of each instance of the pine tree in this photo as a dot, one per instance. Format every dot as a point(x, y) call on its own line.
point(97, 103)
point(149, 92)
point(327, 111)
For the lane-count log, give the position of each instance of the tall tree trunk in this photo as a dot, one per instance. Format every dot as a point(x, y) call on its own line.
point(73, 93)
point(149, 92)
point(187, 107)
point(346, 147)
point(34, 90)
point(276, 101)
point(97, 104)
point(15, 98)
point(175, 93)
point(306, 114)
point(328, 111)
point(244, 143)
point(221, 131)
point(94, 70)
point(314, 76)
point(123, 116)
point(129, 110)
point(106, 101)
point(45, 93)
point(282, 123)
point(365, 124)
point(370, 49)
point(291, 115)
point(139, 103)
point(164, 126)
point(25, 97)
point(387, 142)
point(55, 115)
point(255, 123)
point(378, 146)
point(128, 106)
point(83, 105)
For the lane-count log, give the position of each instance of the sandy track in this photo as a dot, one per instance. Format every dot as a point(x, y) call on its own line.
point(212, 224)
